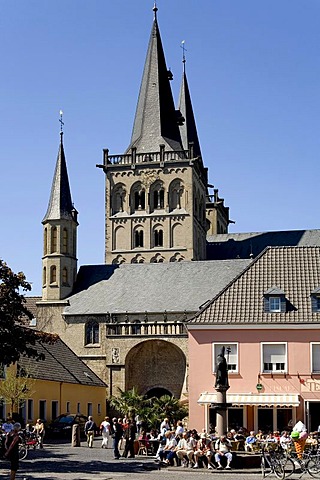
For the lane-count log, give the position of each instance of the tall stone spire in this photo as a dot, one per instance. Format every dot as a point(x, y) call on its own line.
point(188, 130)
point(59, 261)
point(60, 203)
point(156, 120)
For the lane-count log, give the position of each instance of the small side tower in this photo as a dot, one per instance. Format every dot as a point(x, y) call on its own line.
point(59, 261)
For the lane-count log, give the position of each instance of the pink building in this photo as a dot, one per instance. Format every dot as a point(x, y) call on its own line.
point(267, 319)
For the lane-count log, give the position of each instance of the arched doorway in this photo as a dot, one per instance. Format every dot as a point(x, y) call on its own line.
point(158, 392)
point(156, 365)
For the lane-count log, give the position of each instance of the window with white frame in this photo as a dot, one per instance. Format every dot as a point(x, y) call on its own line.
point(315, 357)
point(231, 355)
point(275, 304)
point(274, 357)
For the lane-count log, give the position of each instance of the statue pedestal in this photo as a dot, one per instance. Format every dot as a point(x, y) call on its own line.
point(221, 406)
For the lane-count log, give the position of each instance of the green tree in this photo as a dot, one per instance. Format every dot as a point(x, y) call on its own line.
point(129, 403)
point(17, 387)
point(169, 407)
point(16, 338)
point(150, 410)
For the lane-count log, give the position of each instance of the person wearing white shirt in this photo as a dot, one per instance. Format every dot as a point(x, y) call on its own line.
point(222, 447)
point(105, 428)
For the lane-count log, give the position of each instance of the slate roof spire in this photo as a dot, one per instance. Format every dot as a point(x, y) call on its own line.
point(155, 121)
point(60, 204)
point(188, 130)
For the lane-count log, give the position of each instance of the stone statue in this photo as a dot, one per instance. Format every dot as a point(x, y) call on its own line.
point(221, 370)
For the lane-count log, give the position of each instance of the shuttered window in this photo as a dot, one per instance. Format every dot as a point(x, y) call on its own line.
point(274, 357)
point(315, 357)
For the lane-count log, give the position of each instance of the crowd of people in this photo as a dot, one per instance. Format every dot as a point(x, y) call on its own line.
point(171, 444)
point(175, 445)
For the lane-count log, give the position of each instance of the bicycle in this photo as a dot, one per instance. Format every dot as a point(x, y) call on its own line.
point(23, 450)
point(308, 462)
point(272, 462)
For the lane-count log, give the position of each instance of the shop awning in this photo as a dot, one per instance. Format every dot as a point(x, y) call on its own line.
point(262, 399)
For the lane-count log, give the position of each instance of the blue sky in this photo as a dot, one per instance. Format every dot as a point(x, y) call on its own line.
point(253, 71)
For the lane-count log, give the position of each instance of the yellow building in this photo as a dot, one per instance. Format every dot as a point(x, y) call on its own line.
point(61, 383)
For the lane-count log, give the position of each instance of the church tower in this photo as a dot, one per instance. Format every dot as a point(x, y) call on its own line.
point(59, 261)
point(156, 192)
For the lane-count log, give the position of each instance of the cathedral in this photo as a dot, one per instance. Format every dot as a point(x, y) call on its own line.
point(167, 247)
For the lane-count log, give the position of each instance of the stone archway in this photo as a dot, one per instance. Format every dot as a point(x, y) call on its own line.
point(157, 392)
point(156, 365)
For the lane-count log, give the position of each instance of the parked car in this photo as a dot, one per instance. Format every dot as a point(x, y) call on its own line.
point(62, 425)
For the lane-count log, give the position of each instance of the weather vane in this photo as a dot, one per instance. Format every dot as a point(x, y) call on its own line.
point(184, 51)
point(61, 122)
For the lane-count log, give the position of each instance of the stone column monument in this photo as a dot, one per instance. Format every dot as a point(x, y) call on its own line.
point(221, 386)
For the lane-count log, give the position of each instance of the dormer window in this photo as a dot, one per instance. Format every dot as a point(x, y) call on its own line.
point(274, 304)
point(274, 300)
point(315, 300)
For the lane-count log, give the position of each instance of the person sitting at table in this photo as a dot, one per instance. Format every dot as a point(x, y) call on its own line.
point(285, 440)
point(276, 436)
point(223, 447)
point(143, 438)
point(250, 442)
point(260, 435)
point(240, 435)
point(203, 451)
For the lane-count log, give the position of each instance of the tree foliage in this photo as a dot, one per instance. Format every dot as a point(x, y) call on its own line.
point(150, 410)
point(16, 338)
point(129, 402)
point(17, 387)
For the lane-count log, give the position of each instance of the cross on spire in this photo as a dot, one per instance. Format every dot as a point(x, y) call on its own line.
point(61, 122)
point(184, 52)
point(155, 9)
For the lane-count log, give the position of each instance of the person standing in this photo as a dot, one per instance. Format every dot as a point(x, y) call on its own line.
point(12, 449)
point(38, 429)
point(116, 433)
point(105, 432)
point(7, 426)
point(130, 436)
point(89, 429)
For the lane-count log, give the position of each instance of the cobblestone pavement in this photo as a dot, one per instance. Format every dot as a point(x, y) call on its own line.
point(59, 461)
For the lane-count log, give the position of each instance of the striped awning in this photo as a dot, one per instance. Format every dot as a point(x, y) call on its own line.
point(262, 399)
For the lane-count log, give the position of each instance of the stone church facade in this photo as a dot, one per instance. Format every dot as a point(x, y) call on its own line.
point(158, 211)
point(167, 247)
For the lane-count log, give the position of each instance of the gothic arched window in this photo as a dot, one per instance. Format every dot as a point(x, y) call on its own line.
point(158, 237)
point(65, 276)
point(53, 274)
point(137, 197)
point(118, 199)
point(138, 238)
point(54, 239)
point(91, 332)
point(65, 241)
point(45, 241)
point(175, 194)
point(44, 276)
